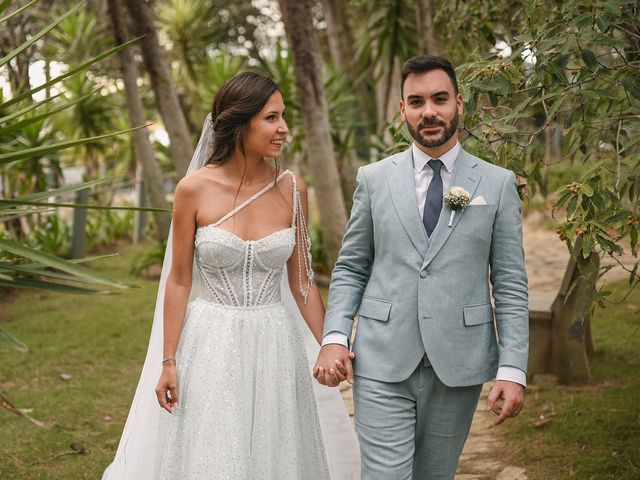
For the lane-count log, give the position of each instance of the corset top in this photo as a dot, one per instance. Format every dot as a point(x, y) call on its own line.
point(241, 273)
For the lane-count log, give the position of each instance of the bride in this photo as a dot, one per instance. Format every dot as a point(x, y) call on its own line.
point(229, 367)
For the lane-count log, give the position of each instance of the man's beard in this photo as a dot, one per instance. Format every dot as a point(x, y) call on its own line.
point(449, 130)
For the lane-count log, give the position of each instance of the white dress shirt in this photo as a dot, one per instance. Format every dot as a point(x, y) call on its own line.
point(422, 175)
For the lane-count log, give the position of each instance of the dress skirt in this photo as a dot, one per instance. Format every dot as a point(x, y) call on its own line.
point(246, 408)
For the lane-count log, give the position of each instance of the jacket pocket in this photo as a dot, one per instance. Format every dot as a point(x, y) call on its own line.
point(374, 308)
point(477, 314)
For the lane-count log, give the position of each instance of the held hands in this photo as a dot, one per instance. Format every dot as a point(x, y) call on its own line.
point(334, 365)
point(167, 389)
point(511, 393)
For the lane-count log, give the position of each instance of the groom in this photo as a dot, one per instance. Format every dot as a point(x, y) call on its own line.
point(421, 280)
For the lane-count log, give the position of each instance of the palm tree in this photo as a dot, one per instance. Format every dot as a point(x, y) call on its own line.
point(386, 40)
point(307, 62)
point(142, 146)
point(205, 37)
point(166, 97)
point(22, 266)
point(427, 39)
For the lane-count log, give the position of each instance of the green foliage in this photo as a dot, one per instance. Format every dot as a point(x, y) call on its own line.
point(388, 35)
point(149, 258)
point(213, 73)
point(52, 236)
point(318, 250)
point(77, 38)
point(100, 341)
point(28, 140)
point(591, 431)
point(104, 227)
point(208, 43)
point(572, 73)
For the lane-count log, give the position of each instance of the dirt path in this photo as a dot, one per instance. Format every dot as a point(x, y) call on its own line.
point(546, 259)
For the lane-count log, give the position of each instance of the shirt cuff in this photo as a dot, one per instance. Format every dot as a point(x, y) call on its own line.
point(335, 337)
point(510, 374)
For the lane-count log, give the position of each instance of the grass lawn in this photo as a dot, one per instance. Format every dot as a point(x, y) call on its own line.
point(593, 431)
point(100, 341)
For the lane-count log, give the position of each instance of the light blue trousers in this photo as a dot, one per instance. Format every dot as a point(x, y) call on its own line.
point(414, 429)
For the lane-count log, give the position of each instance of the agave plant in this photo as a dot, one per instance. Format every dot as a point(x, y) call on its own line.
point(22, 266)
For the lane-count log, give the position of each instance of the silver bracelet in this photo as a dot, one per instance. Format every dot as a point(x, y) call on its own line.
point(167, 358)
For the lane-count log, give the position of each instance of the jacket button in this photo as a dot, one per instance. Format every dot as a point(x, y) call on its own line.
point(423, 274)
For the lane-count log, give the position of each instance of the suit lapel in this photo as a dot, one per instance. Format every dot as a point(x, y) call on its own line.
point(403, 195)
point(464, 176)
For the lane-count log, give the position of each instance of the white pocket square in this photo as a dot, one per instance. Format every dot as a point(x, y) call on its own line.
point(478, 201)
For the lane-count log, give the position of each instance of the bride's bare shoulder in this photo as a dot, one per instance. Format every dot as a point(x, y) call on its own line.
point(200, 180)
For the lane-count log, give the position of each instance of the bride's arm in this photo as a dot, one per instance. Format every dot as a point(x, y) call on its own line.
point(178, 286)
point(313, 310)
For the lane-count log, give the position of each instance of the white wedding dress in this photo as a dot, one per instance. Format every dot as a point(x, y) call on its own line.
point(247, 406)
point(246, 409)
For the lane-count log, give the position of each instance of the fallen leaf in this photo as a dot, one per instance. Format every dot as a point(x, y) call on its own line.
point(77, 447)
point(541, 422)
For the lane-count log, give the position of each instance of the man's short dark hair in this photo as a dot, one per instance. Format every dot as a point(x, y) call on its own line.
point(426, 63)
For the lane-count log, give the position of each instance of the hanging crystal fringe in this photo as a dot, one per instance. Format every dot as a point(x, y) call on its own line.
point(304, 248)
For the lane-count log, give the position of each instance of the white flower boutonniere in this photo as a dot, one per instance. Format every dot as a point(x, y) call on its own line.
point(456, 199)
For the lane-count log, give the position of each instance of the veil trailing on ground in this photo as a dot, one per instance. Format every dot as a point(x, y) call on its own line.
point(139, 452)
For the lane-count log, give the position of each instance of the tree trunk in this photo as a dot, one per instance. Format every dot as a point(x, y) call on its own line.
point(387, 94)
point(14, 33)
point(427, 41)
point(307, 66)
point(142, 146)
point(341, 44)
point(164, 91)
point(570, 319)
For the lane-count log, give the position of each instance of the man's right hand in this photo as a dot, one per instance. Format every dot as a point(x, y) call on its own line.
point(334, 365)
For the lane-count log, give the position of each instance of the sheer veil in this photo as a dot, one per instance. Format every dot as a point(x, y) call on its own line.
point(138, 456)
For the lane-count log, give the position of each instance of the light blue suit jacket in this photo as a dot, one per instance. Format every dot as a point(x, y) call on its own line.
point(418, 295)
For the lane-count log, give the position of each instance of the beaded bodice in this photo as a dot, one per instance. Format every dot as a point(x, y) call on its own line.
point(247, 273)
point(241, 273)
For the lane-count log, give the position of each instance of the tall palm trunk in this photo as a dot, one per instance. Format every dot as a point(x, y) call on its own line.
point(307, 65)
point(341, 45)
point(18, 29)
point(427, 41)
point(141, 144)
point(163, 89)
point(387, 93)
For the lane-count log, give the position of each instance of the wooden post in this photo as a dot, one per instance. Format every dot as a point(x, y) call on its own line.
point(140, 217)
point(78, 238)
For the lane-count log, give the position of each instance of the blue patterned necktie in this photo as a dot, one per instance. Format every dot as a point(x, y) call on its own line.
point(433, 202)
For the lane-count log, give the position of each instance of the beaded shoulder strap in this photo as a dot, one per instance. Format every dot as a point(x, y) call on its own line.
point(253, 197)
point(303, 241)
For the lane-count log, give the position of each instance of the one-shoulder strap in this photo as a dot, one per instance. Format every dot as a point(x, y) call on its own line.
point(253, 197)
